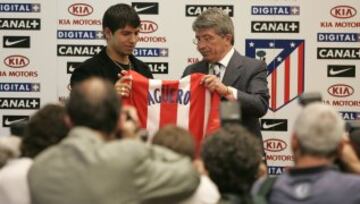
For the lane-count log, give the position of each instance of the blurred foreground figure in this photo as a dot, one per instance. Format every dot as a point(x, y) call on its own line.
point(91, 165)
point(45, 128)
point(232, 157)
point(316, 141)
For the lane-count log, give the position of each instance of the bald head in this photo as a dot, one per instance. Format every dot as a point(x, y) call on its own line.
point(93, 103)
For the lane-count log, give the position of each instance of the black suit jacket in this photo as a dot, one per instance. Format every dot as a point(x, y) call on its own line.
point(102, 66)
point(249, 77)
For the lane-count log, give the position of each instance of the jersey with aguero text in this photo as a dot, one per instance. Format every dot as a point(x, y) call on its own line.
point(185, 103)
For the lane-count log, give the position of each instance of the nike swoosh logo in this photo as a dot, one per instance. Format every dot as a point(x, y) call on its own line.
point(268, 126)
point(71, 68)
point(333, 72)
point(137, 9)
point(10, 122)
point(9, 43)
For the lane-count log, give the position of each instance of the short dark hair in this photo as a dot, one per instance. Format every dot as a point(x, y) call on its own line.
point(93, 103)
point(177, 139)
point(45, 128)
point(120, 15)
point(232, 157)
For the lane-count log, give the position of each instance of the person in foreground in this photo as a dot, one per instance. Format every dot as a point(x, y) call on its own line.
point(316, 141)
point(233, 76)
point(232, 157)
point(121, 27)
point(44, 129)
point(92, 166)
point(182, 142)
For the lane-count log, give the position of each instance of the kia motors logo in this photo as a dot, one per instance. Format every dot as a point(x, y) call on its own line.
point(274, 145)
point(343, 11)
point(340, 90)
point(80, 9)
point(16, 61)
point(148, 26)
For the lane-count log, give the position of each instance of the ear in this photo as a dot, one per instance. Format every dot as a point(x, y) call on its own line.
point(107, 33)
point(343, 142)
point(228, 37)
point(295, 145)
point(69, 123)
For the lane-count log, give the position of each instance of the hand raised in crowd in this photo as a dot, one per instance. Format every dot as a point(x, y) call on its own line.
point(348, 156)
point(124, 84)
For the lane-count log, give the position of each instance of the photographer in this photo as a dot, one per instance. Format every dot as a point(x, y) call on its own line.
point(350, 151)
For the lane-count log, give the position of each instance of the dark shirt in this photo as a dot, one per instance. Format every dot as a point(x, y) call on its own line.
point(102, 66)
point(322, 184)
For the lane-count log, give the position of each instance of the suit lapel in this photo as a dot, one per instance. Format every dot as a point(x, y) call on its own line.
point(232, 71)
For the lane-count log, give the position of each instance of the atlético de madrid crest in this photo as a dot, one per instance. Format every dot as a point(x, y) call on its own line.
point(285, 66)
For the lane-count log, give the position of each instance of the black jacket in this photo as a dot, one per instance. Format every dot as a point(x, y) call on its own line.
point(102, 66)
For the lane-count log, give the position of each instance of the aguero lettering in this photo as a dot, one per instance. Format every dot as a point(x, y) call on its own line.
point(168, 95)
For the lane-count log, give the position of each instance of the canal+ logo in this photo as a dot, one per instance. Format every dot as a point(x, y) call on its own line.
point(80, 9)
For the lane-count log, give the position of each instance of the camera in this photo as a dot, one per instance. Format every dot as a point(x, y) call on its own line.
point(230, 112)
point(309, 97)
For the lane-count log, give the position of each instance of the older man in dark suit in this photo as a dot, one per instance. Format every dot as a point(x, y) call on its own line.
point(233, 76)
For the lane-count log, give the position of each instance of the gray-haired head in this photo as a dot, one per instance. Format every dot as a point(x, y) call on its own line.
point(319, 129)
point(217, 19)
point(9, 148)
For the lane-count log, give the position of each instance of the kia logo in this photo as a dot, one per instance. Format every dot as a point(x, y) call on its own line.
point(80, 9)
point(343, 11)
point(16, 61)
point(148, 26)
point(274, 145)
point(340, 90)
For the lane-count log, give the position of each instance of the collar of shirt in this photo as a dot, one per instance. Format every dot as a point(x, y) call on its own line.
point(225, 61)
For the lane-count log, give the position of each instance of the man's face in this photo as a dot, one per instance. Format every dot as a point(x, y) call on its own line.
point(123, 40)
point(212, 46)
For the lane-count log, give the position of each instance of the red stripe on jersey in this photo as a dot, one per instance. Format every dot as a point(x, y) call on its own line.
point(287, 80)
point(139, 97)
point(300, 70)
point(197, 109)
point(169, 94)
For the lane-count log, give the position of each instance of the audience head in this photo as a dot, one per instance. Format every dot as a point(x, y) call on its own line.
point(120, 15)
point(45, 128)
point(93, 103)
point(318, 130)
point(177, 139)
point(232, 156)
point(9, 148)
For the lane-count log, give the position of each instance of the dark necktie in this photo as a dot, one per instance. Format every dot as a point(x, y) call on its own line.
point(216, 69)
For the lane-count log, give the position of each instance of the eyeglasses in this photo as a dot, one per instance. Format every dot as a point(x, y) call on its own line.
point(205, 39)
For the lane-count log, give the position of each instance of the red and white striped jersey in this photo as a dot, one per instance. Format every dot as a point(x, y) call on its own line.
point(185, 103)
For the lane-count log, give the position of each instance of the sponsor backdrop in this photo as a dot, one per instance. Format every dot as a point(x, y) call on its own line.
point(307, 45)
